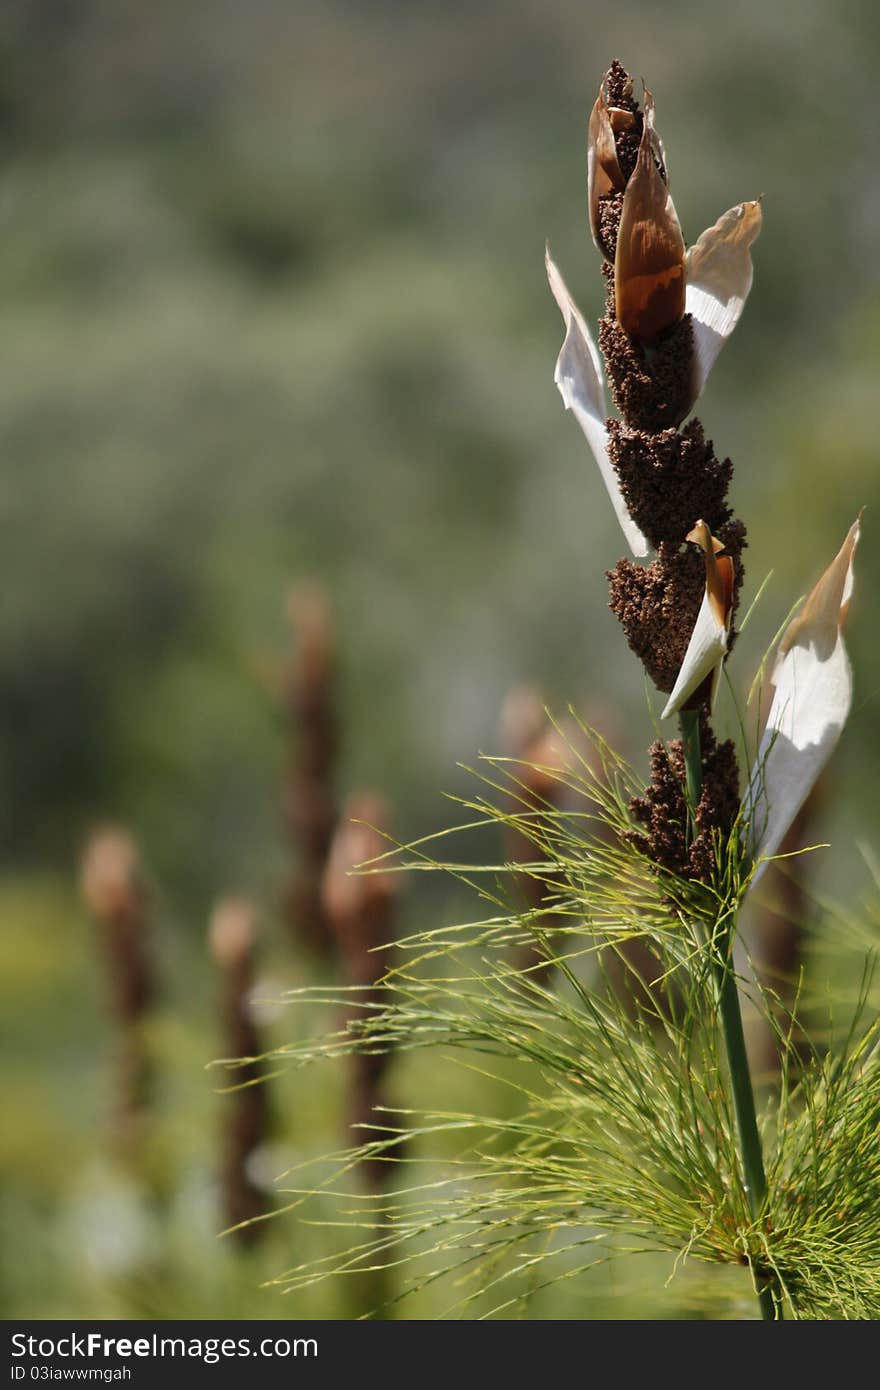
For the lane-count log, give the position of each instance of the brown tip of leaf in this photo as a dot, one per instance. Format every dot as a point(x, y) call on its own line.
point(827, 607)
point(701, 535)
point(851, 542)
point(720, 572)
point(727, 581)
point(718, 257)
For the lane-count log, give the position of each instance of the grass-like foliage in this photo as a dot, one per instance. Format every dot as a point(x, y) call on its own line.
point(600, 1010)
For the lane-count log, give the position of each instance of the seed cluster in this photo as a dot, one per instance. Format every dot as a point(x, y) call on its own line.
point(663, 809)
point(651, 387)
point(670, 478)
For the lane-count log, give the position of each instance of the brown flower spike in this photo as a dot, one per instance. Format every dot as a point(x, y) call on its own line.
point(668, 312)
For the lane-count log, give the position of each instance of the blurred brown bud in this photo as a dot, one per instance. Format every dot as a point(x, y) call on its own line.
point(232, 932)
point(308, 802)
point(523, 719)
point(308, 610)
point(112, 887)
point(359, 900)
point(110, 874)
point(528, 734)
point(232, 937)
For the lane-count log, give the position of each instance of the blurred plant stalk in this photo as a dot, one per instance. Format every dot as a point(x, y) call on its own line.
point(308, 798)
point(113, 889)
point(530, 741)
point(232, 939)
point(360, 903)
point(360, 900)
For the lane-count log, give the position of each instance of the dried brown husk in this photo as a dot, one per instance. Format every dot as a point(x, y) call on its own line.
point(604, 174)
point(649, 278)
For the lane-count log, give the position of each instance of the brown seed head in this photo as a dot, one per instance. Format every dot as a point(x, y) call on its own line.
point(662, 811)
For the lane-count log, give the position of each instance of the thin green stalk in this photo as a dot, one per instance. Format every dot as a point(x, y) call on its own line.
point(732, 1028)
point(689, 722)
point(746, 1119)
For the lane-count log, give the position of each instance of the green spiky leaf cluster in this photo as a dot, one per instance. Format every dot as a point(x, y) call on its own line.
point(601, 1011)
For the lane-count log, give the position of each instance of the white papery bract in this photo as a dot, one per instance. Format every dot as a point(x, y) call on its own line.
point(812, 683)
point(704, 657)
point(718, 274)
point(579, 378)
point(708, 645)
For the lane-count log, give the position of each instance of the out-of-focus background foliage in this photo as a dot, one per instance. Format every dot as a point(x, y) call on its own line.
point(273, 306)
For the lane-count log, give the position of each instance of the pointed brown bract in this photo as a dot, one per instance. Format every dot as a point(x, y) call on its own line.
point(604, 174)
point(720, 262)
point(719, 572)
point(649, 283)
point(827, 608)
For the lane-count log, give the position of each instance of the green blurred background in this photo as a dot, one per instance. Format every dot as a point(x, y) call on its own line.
point(273, 306)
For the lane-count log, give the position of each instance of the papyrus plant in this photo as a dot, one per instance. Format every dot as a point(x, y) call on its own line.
point(638, 1127)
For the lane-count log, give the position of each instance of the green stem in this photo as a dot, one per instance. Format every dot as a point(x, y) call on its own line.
point(744, 1109)
point(689, 723)
point(755, 1180)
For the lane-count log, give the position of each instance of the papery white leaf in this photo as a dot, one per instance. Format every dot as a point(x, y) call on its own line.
point(704, 656)
point(811, 701)
point(579, 378)
point(718, 273)
point(708, 645)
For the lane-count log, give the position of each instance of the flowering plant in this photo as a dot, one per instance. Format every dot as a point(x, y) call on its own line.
point(635, 1126)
